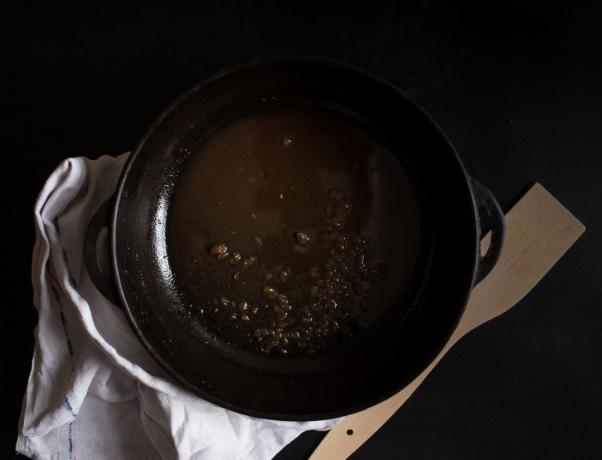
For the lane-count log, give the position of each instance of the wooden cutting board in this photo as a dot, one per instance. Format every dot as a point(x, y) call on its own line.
point(539, 231)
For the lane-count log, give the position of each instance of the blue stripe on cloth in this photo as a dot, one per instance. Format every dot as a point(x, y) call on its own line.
point(70, 440)
point(55, 291)
point(63, 318)
point(70, 428)
point(69, 407)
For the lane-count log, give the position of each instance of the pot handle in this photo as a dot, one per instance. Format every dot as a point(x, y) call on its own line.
point(489, 210)
point(97, 254)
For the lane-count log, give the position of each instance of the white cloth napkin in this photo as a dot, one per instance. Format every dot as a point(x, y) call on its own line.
point(94, 392)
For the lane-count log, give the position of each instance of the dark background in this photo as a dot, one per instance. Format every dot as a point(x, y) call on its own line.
point(518, 89)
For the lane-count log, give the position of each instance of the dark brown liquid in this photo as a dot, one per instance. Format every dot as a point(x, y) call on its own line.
point(291, 228)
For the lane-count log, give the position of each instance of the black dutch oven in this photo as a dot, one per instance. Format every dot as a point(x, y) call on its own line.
point(395, 348)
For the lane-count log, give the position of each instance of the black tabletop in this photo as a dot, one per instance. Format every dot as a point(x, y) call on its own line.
point(518, 89)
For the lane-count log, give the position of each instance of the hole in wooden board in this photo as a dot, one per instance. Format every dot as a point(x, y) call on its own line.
point(349, 432)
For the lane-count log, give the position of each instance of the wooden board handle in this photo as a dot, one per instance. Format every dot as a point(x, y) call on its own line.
point(539, 231)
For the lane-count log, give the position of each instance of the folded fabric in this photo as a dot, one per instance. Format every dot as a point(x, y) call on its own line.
point(94, 391)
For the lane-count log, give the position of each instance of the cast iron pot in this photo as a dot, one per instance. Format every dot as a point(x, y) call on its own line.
point(396, 346)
